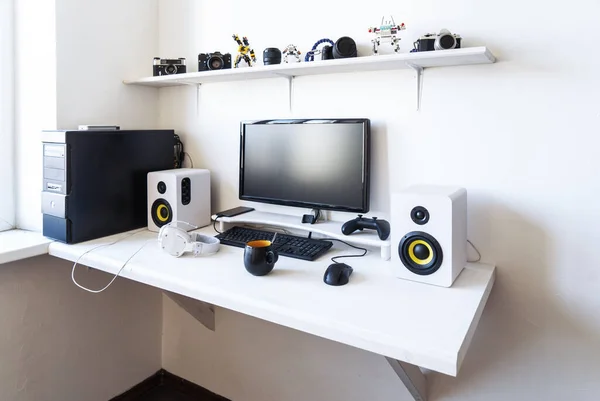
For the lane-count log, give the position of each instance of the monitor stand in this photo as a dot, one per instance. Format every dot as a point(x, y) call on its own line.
point(330, 229)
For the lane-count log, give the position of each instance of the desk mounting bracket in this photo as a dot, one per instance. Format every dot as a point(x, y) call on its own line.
point(419, 70)
point(412, 377)
point(201, 311)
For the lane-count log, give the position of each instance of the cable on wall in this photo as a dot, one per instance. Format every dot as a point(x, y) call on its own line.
point(476, 250)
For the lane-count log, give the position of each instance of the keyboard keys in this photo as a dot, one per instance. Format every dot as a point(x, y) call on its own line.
point(286, 245)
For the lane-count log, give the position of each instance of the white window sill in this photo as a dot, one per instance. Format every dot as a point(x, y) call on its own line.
point(20, 244)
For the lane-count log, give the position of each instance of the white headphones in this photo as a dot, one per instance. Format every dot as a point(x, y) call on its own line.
point(176, 241)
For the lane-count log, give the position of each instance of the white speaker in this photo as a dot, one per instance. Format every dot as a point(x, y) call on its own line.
point(429, 233)
point(178, 195)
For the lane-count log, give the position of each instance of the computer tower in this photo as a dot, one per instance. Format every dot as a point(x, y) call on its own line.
point(94, 182)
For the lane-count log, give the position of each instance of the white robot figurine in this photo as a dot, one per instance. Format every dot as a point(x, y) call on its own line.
point(291, 50)
point(386, 31)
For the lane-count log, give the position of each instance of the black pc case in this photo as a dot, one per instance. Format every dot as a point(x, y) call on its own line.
point(94, 182)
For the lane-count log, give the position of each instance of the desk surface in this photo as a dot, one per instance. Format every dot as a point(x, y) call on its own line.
point(416, 323)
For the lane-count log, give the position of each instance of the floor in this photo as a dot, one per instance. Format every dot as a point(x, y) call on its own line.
point(165, 386)
point(167, 394)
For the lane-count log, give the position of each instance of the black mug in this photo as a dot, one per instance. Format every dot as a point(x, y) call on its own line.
point(259, 257)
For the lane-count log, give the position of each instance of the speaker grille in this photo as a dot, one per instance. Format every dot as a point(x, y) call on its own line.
point(161, 212)
point(420, 253)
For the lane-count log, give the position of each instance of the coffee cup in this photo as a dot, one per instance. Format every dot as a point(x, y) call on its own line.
point(259, 257)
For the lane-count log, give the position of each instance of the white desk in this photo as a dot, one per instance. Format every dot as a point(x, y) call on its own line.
point(417, 324)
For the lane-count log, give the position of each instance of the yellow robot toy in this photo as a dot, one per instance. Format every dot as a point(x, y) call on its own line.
point(243, 51)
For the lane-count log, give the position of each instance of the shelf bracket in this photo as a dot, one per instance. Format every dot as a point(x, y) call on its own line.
point(198, 86)
point(291, 92)
point(419, 70)
point(412, 377)
point(290, 79)
point(201, 311)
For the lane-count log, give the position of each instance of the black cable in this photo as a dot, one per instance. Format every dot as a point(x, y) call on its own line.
point(333, 259)
point(215, 224)
point(179, 152)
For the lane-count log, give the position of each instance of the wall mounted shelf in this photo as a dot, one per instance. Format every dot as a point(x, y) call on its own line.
point(415, 61)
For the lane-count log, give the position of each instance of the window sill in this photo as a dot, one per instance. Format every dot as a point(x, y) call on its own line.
point(20, 244)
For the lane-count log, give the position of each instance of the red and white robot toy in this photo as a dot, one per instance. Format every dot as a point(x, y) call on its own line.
point(291, 51)
point(387, 31)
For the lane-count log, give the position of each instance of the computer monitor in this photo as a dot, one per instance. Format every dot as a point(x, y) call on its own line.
point(312, 163)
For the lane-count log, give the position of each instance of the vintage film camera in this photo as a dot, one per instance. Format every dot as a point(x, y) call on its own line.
point(214, 61)
point(168, 66)
point(442, 41)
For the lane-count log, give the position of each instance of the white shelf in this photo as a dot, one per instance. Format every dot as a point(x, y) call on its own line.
point(19, 244)
point(418, 60)
point(330, 229)
point(420, 324)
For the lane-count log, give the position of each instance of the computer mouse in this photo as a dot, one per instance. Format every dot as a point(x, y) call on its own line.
point(337, 274)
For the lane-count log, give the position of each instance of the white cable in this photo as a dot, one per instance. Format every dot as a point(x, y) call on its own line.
point(120, 270)
point(476, 250)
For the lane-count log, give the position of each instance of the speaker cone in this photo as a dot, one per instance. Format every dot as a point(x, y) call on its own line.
point(161, 212)
point(420, 253)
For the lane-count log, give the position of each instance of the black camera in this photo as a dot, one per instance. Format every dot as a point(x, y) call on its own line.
point(344, 47)
point(440, 41)
point(214, 61)
point(168, 66)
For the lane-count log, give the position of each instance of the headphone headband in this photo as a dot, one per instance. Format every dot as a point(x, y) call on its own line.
point(176, 241)
point(204, 244)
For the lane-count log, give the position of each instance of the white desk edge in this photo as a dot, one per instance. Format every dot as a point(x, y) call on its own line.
point(467, 297)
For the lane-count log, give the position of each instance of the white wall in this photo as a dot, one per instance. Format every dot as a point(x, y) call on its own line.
point(61, 343)
point(73, 57)
point(7, 170)
point(521, 135)
point(99, 44)
point(35, 108)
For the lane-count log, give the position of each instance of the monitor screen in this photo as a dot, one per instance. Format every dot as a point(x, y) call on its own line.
point(316, 163)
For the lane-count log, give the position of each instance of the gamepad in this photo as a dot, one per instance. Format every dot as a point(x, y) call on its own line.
point(359, 223)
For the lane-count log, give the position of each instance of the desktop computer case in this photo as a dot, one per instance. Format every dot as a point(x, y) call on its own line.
point(94, 182)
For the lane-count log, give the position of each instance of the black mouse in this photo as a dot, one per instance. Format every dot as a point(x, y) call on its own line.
point(337, 274)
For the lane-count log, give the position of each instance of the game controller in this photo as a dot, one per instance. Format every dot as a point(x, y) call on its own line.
point(360, 223)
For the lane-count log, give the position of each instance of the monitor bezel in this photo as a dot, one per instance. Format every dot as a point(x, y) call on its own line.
point(366, 190)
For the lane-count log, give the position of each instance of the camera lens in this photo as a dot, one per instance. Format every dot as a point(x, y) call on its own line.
point(215, 63)
point(171, 69)
point(271, 55)
point(447, 42)
point(344, 47)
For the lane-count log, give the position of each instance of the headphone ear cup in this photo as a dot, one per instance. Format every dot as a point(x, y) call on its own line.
point(162, 230)
point(173, 240)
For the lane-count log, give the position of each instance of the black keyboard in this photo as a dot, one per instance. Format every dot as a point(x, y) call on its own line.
point(285, 244)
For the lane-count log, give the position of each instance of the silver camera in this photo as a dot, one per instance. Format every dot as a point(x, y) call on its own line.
point(446, 40)
point(441, 41)
point(167, 66)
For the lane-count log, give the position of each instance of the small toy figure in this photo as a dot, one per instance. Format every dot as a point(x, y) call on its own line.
point(291, 50)
point(386, 31)
point(243, 50)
